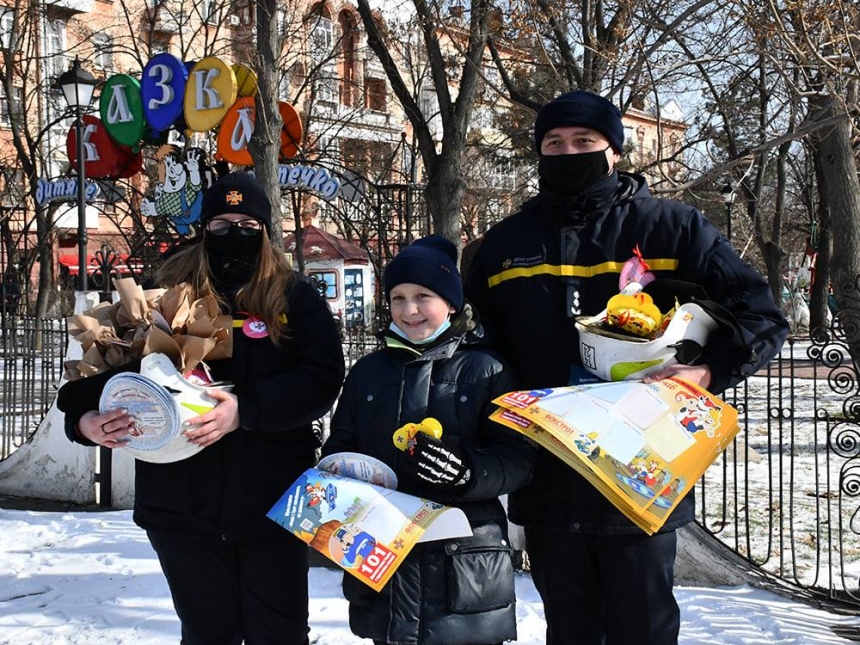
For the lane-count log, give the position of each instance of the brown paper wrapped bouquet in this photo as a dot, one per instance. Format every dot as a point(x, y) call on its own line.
point(148, 321)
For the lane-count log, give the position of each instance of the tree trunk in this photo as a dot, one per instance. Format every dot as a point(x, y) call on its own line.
point(444, 195)
point(46, 288)
point(819, 292)
point(774, 258)
point(264, 145)
point(46, 281)
point(839, 195)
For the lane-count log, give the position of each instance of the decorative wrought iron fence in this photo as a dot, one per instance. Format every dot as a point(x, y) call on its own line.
point(32, 352)
point(785, 495)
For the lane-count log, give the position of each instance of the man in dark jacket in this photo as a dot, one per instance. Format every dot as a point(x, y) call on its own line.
point(602, 580)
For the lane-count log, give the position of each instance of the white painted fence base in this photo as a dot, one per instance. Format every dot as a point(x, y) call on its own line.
point(49, 466)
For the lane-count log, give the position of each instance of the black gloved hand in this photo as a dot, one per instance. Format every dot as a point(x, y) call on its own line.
point(436, 463)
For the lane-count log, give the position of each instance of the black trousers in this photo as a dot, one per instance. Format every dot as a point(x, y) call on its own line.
point(384, 643)
point(605, 589)
point(227, 593)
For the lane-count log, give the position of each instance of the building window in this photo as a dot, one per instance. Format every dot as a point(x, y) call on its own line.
point(7, 20)
point(430, 109)
point(55, 63)
point(244, 9)
point(482, 117)
point(629, 133)
point(492, 80)
point(325, 85)
point(284, 85)
point(348, 49)
point(103, 46)
point(502, 174)
point(327, 146)
point(11, 187)
point(322, 39)
point(11, 109)
point(297, 75)
point(326, 282)
point(427, 102)
point(208, 13)
point(377, 96)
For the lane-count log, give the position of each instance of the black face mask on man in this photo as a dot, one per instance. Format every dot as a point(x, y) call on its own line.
point(233, 254)
point(571, 174)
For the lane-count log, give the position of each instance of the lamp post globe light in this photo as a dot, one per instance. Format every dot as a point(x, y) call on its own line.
point(78, 85)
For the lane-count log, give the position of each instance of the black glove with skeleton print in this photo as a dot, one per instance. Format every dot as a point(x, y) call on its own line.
point(438, 464)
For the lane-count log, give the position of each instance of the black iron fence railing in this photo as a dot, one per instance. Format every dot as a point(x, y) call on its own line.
point(32, 352)
point(785, 495)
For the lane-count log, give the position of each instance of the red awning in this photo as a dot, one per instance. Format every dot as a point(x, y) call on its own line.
point(71, 262)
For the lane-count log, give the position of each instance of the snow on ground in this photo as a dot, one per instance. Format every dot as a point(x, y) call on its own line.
point(84, 578)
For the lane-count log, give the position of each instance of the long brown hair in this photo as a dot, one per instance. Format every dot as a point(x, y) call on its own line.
point(265, 295)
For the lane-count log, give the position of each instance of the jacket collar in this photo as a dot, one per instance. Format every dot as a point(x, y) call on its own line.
point(577, 209)
point(444, 349)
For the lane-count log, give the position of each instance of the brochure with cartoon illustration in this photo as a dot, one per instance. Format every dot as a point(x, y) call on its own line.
point(365, 529)
point(643, 445)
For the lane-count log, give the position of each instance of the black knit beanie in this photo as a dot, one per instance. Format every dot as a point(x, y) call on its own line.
point(581, 108)
point(237, 192)
point(430, 262)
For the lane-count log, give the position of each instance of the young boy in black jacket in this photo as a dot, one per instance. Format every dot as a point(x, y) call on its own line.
point(434, 364)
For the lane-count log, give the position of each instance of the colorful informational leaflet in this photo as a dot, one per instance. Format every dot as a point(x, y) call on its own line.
point(642, 445)
point(365, 529)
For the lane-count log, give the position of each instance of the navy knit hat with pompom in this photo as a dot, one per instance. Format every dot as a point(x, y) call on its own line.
point(585, 109)
point(430, 262)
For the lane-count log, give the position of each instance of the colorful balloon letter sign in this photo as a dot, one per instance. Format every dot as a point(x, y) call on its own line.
point(121, 110)
point(210, 92)
point(104, 157)
point(235, 132)
point(191, 96)
point(162, 89)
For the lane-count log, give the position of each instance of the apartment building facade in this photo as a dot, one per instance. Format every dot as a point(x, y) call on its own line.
point(352, 127)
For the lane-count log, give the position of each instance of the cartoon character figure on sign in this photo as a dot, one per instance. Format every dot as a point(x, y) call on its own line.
point(315, 494)
point(698, 413)
point(349, 545)
point(586, 444)
point(644, 471)
point(178, 194)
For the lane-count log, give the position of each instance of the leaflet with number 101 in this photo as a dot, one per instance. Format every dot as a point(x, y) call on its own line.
point(642, 445)
point(365, 529)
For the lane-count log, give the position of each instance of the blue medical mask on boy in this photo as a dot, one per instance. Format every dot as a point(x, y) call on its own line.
point(445, 326)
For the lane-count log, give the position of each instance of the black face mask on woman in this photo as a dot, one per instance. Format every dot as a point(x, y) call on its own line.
point(233, 255)
point(571, 174)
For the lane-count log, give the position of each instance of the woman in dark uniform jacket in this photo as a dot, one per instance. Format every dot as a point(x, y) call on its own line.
point(234, 574)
